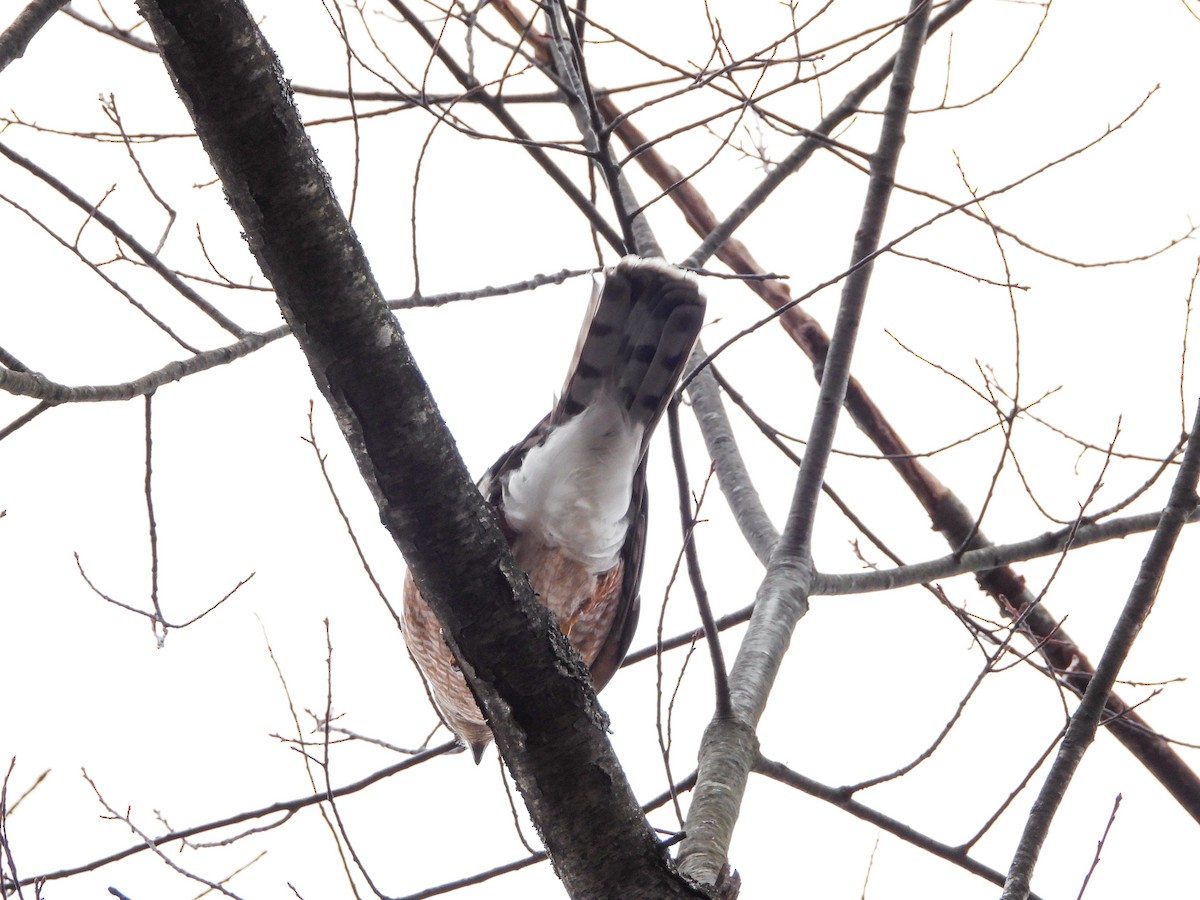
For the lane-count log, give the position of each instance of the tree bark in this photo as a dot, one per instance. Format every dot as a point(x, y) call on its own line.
point(529, 682)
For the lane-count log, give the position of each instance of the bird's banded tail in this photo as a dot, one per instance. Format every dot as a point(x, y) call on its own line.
point(635, 341)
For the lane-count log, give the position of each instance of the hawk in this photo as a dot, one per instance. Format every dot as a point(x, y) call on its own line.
point(571, 497)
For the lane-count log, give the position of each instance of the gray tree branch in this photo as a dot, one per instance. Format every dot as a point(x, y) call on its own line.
point(1082, 728)
point(729, 749)
point(14, 40)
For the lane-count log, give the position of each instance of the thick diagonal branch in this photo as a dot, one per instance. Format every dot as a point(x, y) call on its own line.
point(528, 681)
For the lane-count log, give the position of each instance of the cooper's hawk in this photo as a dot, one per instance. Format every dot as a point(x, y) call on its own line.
point(572, 495)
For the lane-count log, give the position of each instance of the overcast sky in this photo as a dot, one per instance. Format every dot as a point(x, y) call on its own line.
point(190, 729)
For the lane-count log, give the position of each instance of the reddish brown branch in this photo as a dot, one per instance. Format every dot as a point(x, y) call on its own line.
point(949, 515)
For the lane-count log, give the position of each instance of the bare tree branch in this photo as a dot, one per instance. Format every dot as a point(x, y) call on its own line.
point(286, 808)
point(147, 256)
point(991, 556)
point(849, 105)
point(732, 475)
point(18, 380)
point(14, 40)
point(1082, 729)
point(729, 749)
point(842, 799)
point(496, 108)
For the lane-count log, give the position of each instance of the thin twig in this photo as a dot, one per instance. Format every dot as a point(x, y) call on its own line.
point(152, 845)
point(835, 796)
point(287, 806)
point(1099, 848)
point(497, 109)
point(687, 517)
point(128, 240)
point(153, 531)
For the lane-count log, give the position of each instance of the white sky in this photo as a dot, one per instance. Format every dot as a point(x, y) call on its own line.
point(869, 681)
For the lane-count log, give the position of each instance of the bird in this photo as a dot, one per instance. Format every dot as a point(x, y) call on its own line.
point(571, 497)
